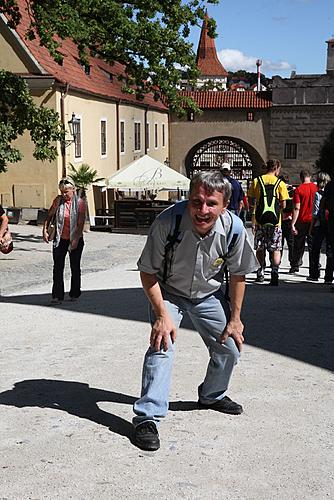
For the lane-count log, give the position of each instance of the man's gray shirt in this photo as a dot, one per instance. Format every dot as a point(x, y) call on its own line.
point(197, 262)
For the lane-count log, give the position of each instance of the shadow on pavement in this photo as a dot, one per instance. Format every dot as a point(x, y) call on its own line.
point(78, 399)
point(294, 319)
point(33, 238)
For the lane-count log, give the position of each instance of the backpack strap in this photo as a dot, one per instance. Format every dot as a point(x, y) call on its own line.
point(173, 237)
point(234, 232)
point(260, 179)
point(277, 184)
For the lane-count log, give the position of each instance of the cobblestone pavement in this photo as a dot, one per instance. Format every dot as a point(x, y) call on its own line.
point(31, 261)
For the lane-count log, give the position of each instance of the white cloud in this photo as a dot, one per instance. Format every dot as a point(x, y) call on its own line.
point(233, 60)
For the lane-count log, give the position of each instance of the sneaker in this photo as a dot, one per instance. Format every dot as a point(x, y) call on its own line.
point(294, 270)
point(312, 278)
point(259, 276)
point(146, 436)
point(327, 282)
point(225, 405)
point(274, 279)
point(55, 302)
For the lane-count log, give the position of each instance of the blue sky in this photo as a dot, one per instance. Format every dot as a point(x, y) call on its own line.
point(285, 34)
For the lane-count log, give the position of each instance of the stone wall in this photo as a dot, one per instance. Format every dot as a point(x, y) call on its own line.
point(302, 114)
point(229, 123)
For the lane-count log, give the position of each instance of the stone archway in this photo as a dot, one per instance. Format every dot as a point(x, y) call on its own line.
point(210, 154)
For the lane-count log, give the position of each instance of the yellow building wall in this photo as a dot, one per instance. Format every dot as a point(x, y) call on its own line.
point(30, 182)
point(91, 111)
point(12, 56)
point(130, 115)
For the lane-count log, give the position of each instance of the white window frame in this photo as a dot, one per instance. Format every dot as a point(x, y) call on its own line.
point(163, 133)
point(104, 120)
point(137, 150)
point(156, 135)
point(78, 158)
point(122, 122)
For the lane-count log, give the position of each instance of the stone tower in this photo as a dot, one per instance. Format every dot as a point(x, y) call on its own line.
point(330, 57)
point(213, 73)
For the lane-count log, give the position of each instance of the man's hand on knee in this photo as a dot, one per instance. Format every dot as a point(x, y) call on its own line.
point(234, 329)
point(162, 330)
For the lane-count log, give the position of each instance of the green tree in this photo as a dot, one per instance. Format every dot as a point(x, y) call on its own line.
point(19, 113)
point(83, 177)
point(325, 163)
point(249, 77)
point(149, 37)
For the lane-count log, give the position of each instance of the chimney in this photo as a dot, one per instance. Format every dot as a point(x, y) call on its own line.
point(330, 57)
point(258, 66)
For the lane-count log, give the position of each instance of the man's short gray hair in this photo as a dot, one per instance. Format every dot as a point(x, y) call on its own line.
point(212, 181)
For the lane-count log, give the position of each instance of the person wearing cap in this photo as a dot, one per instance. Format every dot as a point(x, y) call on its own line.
point(70, 211)
point(237, 196)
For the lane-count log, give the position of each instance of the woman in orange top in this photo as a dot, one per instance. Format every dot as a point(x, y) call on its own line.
point(70, 212)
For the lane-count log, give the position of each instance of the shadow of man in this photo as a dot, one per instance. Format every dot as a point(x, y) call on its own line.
point(76, 398)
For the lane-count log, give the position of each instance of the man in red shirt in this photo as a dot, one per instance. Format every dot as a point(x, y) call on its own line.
point(302, 217)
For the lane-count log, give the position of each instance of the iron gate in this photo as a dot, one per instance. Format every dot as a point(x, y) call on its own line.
point(212, 154)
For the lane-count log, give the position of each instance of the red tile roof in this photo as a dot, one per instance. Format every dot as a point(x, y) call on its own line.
point(97, 82)
point(247, 99)
point(207, 59)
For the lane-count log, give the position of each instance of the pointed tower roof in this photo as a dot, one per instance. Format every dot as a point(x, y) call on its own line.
point(207, 59)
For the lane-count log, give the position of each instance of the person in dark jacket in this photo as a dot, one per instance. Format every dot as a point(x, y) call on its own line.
point(237, 196)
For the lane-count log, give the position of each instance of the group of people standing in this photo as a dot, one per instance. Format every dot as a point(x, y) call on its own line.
point(303, 215)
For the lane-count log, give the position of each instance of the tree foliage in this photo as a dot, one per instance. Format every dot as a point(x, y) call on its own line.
point(83, 176)
point(19, 113)
point(148, 36)
point(250, 77)
point(325, 163)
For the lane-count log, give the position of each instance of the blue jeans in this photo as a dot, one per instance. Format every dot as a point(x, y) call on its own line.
point(209, 318)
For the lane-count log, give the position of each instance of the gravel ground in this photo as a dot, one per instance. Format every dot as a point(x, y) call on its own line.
point(70, 374)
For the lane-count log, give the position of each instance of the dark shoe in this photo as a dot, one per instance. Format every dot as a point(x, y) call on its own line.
point(259, 278)
point(274, 279)
point(294, 270)
point(146, 436)
point(225, 405)
point(55, 302)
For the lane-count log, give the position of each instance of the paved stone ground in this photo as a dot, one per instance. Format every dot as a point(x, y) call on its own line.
point(69, 376)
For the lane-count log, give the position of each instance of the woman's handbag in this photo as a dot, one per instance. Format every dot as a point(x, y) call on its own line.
point(7, 243)
point(52, 223)
point(51, 228)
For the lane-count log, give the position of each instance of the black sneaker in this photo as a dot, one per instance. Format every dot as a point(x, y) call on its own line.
point(293, 270)
point(274, 279)
point(225, 405)
point(146, 436)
